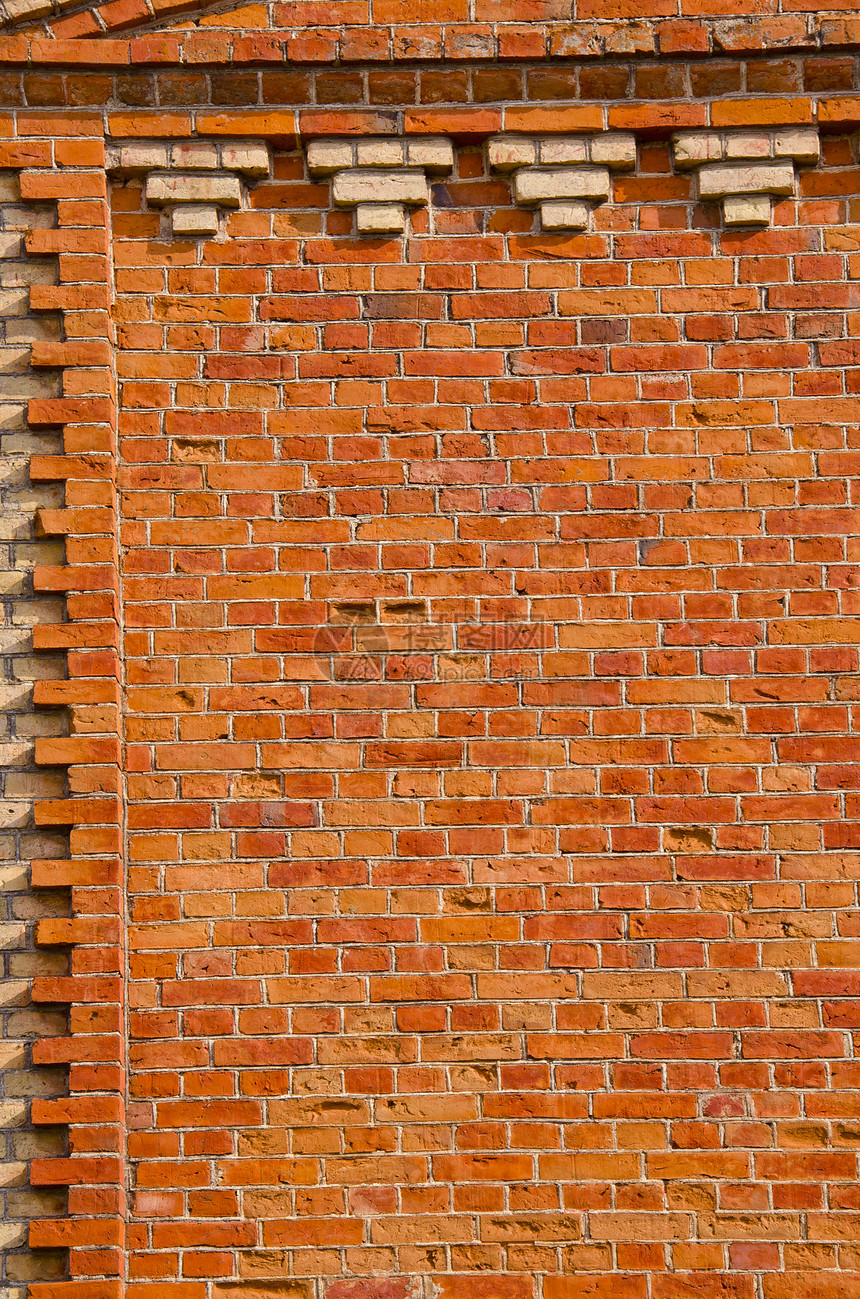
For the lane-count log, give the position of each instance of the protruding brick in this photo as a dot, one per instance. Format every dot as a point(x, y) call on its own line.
point(193, 155)
point(325, 157)
point(717, 180)
point(559, 214)
point(538, 184)
point(564, 150)
point(615, 149)
point(380, 218)
point(507, 152)
point(748, 144)
point(694, 148)
point(747, 209)
point(194, 219)
point(252, 160)
point(395, 186)
point(799, 143)
point(136, 158)
point(379, 153)
point(434, 153)
point(225, 191)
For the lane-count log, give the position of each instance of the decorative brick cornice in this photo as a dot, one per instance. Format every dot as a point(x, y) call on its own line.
point(746, 169)
point(381, 177)
point(194, 180)
point(564, 175)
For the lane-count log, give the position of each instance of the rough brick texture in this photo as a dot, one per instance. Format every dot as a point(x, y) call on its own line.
point(461, 640)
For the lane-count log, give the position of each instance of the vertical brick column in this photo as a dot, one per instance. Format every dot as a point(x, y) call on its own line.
point(20, 667)
point(73, 177)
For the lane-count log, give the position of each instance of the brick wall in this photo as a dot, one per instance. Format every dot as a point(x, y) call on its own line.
point(470, 909)
point(20, 842)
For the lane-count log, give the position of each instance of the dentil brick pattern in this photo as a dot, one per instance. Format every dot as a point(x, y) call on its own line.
point(456, 741)
point(20, 840)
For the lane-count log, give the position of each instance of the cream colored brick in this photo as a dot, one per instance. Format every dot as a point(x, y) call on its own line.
point(507, 152)
point(139, 157)
point(252, 160)
point(27, 785)
point(561, 215)
point(402, 186)
point(12, 1235)
point(11, 584)
point(563, 150)
point(539, 184)
point(194, 219)
point(18, 9)
point(194, 155)
point(748, 144)
point(28, 218)
point(31, 384)
point(13, 1172)
point(14, 303)
point(379, 153)
point(615, 149)
point(801, 143)
point(14, 878)
point(11, 935)
point(30, 964)
point(328, 156)
point(380, 218)
point(225, 191)
point(16, 273)
point(693, 148)
point(433, 152)
point(30, 328)
point(758, 178)
point(747, 209)
point(13, 360)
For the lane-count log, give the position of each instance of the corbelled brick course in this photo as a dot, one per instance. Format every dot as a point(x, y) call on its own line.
point(448, 441)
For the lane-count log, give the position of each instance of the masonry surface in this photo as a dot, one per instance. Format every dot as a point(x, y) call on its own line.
point(430, 565)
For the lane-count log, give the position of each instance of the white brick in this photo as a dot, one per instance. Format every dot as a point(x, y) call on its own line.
point(507, 152)
point(558, 215)
point(252, 160)
point(380, 218)
point(194, 219)
point(748, 144)
point(747, 209)
point(17, 9)
point(403, 186)
point(616, 149)
point(758, 178)
point(328, 156)
point(692, 148)
point(538, 184)
point(432, 152)
point(196, 155)
point(379, 153)
point(226, 191)
point(800, 143)
point(142, 156)
point(564, 150)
